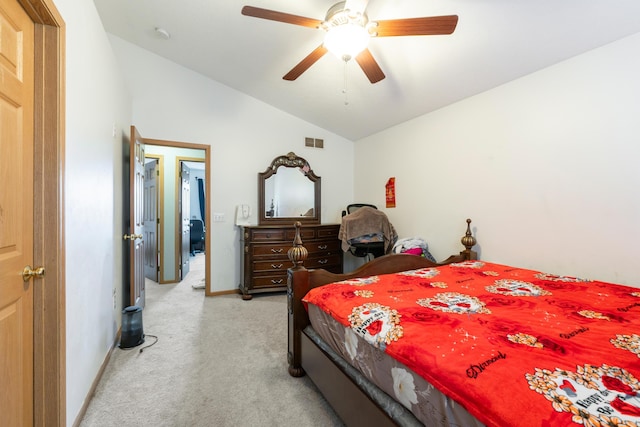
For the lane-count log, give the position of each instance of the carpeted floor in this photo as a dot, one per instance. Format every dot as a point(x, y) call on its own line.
point(219, 361)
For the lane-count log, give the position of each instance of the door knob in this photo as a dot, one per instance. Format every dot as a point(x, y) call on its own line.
point(132, 236)
point(28, 273)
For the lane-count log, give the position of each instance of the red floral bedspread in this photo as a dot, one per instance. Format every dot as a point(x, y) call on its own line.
point(515, 347)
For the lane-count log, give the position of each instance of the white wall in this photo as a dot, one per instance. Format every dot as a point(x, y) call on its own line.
point(173, 103)
point(546, 166)
point(96, 100)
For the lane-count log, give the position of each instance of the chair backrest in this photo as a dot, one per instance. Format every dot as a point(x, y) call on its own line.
point(197, 230)
point(364, 249)
point(355, 206)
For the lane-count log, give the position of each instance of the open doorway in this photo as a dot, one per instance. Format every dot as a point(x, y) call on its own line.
point(170, 207)
point(191, 208)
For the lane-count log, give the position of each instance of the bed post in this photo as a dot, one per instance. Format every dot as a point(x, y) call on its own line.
point(468, 241)
point(297, 319)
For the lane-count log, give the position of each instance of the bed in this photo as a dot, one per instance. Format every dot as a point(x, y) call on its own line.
point(494, 345)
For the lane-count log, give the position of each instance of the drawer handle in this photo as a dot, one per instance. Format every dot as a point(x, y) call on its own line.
point(276, 282)
point(323, 261)
point(322, 247)
point(276, 251)
point(276, 266)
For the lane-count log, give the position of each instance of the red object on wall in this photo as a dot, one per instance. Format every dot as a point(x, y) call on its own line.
point(391, 192)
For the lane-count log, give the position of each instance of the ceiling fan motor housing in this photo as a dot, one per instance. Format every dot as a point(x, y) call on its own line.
point(337, 15)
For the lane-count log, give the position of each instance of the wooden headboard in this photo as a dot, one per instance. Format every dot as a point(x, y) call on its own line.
point(300, 280)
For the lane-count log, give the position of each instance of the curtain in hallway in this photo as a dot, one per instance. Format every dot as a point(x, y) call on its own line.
point(201, 197)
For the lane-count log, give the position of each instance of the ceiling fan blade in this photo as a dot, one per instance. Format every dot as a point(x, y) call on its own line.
point(287, 18)
point(427, 26)
point(306, 63)
point(370, 66)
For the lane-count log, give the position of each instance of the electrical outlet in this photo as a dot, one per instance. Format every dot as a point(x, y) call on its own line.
point(218, 217)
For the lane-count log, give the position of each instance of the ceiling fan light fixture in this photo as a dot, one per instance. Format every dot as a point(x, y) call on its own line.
point(347, 40)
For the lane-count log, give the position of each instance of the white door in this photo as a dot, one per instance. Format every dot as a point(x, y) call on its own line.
point(185, 219)
point(136, 223)
point(150, 214)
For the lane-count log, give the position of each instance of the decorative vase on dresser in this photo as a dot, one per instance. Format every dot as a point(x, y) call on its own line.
point(264, 254)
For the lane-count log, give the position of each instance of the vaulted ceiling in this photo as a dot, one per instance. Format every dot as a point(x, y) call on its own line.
point(495, 41)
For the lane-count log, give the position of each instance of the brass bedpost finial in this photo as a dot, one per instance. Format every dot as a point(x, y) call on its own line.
point(298, 253)
point(468, 241)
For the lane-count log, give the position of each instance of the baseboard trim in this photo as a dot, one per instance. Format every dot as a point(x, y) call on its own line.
point(96, 381)
point(228, 292)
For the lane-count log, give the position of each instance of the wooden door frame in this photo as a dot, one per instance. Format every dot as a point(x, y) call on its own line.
point(207, 196)
point(49, 376)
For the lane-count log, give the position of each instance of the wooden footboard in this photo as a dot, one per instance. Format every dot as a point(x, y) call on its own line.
point(300, 281)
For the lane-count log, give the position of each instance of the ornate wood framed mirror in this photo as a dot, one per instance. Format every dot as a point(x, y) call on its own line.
point(288, 191)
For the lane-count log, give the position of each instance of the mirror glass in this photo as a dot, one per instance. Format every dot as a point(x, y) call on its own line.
point(289, 191)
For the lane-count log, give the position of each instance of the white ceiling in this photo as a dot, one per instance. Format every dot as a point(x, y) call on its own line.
point(495, 41)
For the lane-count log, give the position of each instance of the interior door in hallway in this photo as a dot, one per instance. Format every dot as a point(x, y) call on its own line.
point(16, 215)
point(136, 219)
point(185, 219)
point(150, 214)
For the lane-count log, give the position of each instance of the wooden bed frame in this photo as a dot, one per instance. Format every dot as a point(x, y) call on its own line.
point(346, 395)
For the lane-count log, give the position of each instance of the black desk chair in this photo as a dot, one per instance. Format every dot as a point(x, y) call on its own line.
point(366, 250)
point(197, 236)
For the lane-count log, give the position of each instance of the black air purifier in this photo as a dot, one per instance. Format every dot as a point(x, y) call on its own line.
point(132, 334)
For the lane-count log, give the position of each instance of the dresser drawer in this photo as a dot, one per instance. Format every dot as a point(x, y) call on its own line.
point(274, 250)
point(328, 233)
point(305, 233)
point(272, 265)
point(270, 281)
point(258, 235)
point(324, 261)
point(282, 249)
point(323, 247)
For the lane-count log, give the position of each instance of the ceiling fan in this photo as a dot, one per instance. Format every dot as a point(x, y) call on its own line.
point(348, 19)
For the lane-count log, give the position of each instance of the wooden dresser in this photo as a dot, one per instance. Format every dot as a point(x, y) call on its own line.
point(264, 254)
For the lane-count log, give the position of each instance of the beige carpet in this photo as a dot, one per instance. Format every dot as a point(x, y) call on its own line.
point(219, 361)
